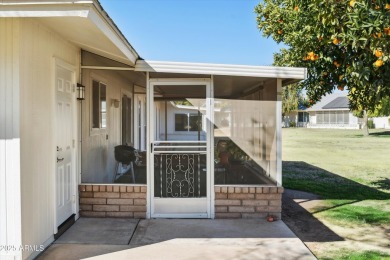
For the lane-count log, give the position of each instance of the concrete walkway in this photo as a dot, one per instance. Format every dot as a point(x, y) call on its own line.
point(177, 239)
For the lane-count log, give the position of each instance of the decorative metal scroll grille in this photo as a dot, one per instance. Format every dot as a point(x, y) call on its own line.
point(180, 175)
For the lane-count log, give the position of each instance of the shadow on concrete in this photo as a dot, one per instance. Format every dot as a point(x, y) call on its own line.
point(303, 223)
point(180, 239)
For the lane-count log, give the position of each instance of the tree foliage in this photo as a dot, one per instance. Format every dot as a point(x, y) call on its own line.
point(292, 99)
point(341, 43)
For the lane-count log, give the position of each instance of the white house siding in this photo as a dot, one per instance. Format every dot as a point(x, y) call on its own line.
point(98, 161)
point(381, 122)
point(353, 122)
point(290, 117)
point(10, 215)
point(38, 47)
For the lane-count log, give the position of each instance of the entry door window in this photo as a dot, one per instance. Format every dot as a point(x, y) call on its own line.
point(99, 105)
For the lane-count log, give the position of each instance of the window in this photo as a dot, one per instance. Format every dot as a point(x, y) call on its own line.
point(99, 108)
point(188, 122)
point(126, 120)
point(303, 117)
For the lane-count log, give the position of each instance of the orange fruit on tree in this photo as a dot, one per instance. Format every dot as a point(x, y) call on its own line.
point(336, 41)
point(352, 3)
point(340, 88)
point(387, 6)
point(336, 63)
point(387, 30)
point(378, 53)
point(280, 31)
point(296, 8)
point(378, 63)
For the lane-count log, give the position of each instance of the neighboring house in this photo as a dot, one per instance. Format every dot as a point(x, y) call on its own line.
point(381, 122)
point(332, 111)
point(72, 88)
point(298, 118)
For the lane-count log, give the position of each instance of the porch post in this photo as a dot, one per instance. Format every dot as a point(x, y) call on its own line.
point(10, 170)
point(210, 148)
point(149, 138)
point(279, 91)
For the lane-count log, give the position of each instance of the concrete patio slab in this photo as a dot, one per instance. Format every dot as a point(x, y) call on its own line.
point(158, 230)
point(108, 231)
point(216, 248)
point(183, 239)
point(78, 251)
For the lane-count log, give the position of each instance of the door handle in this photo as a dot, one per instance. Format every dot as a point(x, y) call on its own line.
point(60, 159)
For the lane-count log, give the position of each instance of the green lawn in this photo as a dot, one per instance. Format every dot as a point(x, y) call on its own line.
point(350, 172)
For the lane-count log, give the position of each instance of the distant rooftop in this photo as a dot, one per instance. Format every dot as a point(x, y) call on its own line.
point(339, 102)
point(335, 101)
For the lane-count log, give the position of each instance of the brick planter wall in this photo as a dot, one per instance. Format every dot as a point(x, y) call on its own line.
point(113, 201)
point(248, 202)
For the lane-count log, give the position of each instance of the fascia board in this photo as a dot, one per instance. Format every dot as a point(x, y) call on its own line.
point(25, 11)
point(98, 19)
point(84, 9)
point(221, 69)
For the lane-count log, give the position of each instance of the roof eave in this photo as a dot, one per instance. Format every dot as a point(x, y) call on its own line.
point(288, 73)
point(90, 9)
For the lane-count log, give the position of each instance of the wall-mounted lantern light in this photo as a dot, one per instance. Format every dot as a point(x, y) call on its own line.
point(80, 92)
point(115, 103)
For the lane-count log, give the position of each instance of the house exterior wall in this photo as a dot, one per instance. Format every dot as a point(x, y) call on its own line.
point(98, 161)
point(290, 117)
point(129, 201)
point(10, 200)
point(38, 47)
point(123, 201)
point(382, 122)
point(248, 202)
point(353, 122)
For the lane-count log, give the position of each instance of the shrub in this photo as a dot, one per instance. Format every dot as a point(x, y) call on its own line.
point(370, 124)
point(293, 124)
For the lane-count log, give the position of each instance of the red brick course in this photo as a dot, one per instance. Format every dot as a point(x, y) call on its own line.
point(248, 202)
point(119, 201)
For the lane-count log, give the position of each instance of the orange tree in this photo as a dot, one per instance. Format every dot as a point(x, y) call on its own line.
point(341, 43)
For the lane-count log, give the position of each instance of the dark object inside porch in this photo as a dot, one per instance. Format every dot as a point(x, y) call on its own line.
point(125, 155)
point(138, 173)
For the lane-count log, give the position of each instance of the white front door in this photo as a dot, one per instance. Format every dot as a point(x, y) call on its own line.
point(180, 144)
point(65, 192)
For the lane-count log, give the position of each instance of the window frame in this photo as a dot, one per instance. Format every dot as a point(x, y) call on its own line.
point(188, 115)
point(100, 128)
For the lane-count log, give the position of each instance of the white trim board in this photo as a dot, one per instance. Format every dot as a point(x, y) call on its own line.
point(221, 69)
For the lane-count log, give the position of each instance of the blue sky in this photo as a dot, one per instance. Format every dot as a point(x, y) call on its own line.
point(214, 31)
